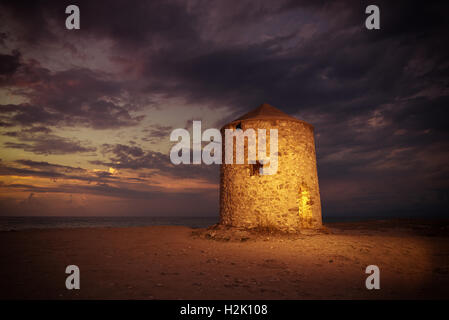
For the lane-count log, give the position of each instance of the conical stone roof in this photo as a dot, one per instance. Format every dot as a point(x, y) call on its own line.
point(268, 112)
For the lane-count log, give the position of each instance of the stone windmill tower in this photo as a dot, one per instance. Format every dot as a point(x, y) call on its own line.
point(288, 200)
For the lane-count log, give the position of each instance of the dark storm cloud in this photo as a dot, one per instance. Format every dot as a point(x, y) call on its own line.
point(43, 169)
point(37, 129)
point(25, 167)
point(50, 146)
point(72, 97)
point(101, 189)
point(378, 99)
point(331, 69)
point(27, 115)
point(134, 157)
point(99, 184)
point(130, 22)
point(29, 131)
point(339, 73)
point(8, 171)
point(9, 63)
point(156, 133)
point(43, 165)
point(45, 143)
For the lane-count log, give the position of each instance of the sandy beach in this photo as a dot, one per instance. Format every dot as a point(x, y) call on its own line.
point(168, 262)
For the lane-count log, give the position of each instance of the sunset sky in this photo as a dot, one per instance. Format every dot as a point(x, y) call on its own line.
point(85, 115)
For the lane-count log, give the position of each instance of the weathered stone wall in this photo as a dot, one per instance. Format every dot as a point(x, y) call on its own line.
point(288, 200)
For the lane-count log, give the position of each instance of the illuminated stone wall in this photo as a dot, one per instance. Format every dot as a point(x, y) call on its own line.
point(288, 200)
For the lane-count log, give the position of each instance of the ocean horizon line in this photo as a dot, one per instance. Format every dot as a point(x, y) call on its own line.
point(15, 223)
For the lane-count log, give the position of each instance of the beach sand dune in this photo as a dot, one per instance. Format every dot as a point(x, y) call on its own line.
point(168, 262)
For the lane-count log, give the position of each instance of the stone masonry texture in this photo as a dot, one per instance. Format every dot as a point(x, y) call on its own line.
point(288, 200)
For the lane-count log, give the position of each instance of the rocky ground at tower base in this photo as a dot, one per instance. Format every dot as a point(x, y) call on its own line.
point(225, 233)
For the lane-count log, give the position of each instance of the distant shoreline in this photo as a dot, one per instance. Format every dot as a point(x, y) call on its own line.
point(9, 223)
point(36, 223)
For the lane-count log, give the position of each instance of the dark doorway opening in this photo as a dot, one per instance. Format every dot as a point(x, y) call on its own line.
point(255, 168)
